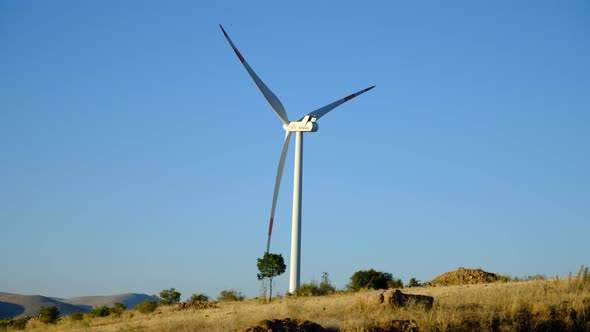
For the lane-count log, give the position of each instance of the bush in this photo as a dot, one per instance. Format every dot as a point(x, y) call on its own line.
point(312, 288)
point(414, 282)
point(395, 283)
point(195, 298)
point(373, 280)
point(146, 307)
point(100, 311)
point(16, 324)
point(537, 277)
point(117, 309)
point(230, 295)
point(169, 296)
point(76, 316)
point(49, 315)
point(582, 280)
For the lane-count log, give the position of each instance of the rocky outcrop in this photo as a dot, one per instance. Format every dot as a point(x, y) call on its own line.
point(401, 300)
point(396, 299)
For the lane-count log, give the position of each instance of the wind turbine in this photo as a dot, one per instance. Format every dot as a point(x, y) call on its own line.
point(305, 124)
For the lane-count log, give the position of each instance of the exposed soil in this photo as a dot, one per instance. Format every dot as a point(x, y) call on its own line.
point(296, 325)
point(285, 325)
point(463, 276)
point(396, 326)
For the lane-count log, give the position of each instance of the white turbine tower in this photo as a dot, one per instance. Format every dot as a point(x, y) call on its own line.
point(305, 124)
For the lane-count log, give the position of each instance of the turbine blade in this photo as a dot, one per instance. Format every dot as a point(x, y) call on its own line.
point(272, 99)
point(277, 185)
point(324, 110)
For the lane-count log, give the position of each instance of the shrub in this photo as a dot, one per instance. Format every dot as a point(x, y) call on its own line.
point(582, 280)
point(523, 318)
point(312, 288)
point(374, 280)
point(395, 283)
point(414, 282)
point(100, 311)
point(76, 316)
point(146, 307)
point(169, 296)
point(117, 309)
point(21, 323)
point(537, 276)
point(326, 286)
point(49, 315)
point(230, 295)
point(195, 298)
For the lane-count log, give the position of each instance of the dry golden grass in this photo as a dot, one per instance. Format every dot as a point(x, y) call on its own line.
point(532, 305)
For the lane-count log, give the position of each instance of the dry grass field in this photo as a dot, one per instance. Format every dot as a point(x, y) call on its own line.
point(535, 305)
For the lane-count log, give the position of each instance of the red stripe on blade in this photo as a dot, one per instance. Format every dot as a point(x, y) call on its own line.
point(347, 98)
point(270, 226)
point(239, 55)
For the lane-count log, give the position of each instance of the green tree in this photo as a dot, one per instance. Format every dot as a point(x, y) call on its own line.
point(270, 266)
point(49, 315)
point(169, 296)
point(195, 298)
point(373, 279)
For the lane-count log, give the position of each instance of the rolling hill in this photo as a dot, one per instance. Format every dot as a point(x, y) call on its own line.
point(16, 305)
point(130, 300)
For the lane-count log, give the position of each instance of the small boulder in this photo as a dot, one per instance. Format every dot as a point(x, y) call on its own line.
point(374, 297)
point(397, 325)
point(285, 325)
point(397, 299)
point(400, 300)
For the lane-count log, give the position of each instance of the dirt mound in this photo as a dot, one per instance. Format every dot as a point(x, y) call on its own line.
point(285, 325)
point(465, 276)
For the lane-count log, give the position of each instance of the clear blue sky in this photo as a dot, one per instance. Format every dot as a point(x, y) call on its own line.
point(136, 153)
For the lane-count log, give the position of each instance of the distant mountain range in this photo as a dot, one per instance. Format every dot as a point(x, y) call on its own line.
point(15, 305)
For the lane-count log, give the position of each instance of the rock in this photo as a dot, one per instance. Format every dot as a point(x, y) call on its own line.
point(397, 299)
point(401, 300)
point(285, 325)
point(398, 325)
point(374, 297)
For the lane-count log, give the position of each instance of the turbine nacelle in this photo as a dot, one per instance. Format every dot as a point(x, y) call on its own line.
point(307, 124)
